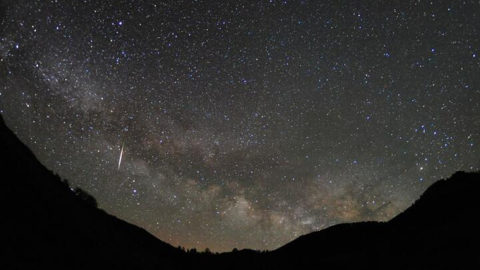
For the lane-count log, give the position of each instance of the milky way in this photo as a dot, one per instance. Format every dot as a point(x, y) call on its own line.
point(245, 123)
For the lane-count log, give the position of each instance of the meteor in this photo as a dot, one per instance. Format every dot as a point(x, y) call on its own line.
point(121, 155)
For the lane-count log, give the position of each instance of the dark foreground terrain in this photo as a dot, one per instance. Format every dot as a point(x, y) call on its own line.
point(46, 225)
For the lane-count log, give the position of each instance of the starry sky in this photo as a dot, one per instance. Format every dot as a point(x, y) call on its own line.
point(245, 124)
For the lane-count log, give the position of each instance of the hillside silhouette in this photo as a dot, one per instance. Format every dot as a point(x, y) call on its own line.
point(439, 231)
point(47, 224)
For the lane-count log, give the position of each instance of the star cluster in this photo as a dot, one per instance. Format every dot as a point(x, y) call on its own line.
point(245, 123)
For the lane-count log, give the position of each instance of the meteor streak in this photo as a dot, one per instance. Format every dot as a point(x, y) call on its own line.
point(121, 155)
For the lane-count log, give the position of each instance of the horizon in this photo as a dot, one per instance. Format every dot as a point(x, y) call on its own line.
point(90, 200)
point(244, 125)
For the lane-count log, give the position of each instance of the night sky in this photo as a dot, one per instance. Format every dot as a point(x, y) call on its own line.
point(245, 123)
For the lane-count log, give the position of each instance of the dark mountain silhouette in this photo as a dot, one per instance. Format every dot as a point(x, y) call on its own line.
point(46, 224)
point(439, 231)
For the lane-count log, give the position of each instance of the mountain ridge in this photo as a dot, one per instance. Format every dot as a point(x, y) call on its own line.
point(48, 225)
point(438, 225)
point(46, 218)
